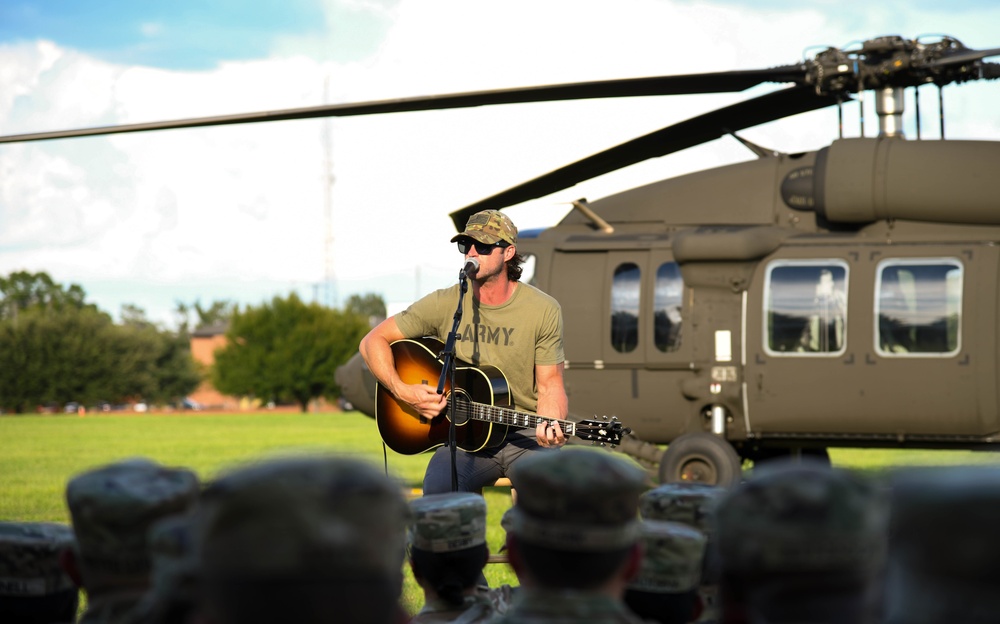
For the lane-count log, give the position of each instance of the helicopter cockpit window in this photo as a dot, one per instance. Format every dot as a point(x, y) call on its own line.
point(806, 307)
point(919, 307)
point(667, 299)
point(625, 308)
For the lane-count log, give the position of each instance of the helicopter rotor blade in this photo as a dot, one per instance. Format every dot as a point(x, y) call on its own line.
point(965, 56)
point(694, 131)
point(720, 82)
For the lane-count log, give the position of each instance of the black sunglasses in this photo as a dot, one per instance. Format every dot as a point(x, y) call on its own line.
point(483, 249)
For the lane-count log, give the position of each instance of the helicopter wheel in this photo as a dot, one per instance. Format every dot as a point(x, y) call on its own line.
point(701, 458)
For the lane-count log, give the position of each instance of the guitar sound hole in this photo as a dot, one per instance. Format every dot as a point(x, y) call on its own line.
point(461, 408)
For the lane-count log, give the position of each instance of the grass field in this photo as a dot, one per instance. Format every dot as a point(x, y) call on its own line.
point(38, 454)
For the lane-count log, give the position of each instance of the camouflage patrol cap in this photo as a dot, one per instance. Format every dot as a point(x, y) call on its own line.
point(315, 516)
point(672, 559)
point(689, 503)
point(29, 558)
point(577, 500)
point(801, 517)
point(490, 227)
point(448, 522)
point(113, 507)
point(944, 560)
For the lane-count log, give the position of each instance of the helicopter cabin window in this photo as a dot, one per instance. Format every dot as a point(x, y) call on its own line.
point(806, 307)
point(919, 307)
point(668, 296)
point(528, 270)
point(625, 308)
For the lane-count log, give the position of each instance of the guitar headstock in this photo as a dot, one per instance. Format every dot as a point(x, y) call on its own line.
point(604, 431)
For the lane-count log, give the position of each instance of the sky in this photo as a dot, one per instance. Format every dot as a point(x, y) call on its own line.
point(331, 208)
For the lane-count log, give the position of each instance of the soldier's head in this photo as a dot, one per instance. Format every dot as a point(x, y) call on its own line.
point(692, 504)
point(113, 508)
point(688, 503)
point(33, 585)
point(944, 564)
point(448, 543)
point(801, 542)
point(575, 524)
point(305, 539)
point(666, 588)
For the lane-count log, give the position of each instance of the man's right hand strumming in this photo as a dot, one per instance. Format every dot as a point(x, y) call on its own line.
point(421, 397)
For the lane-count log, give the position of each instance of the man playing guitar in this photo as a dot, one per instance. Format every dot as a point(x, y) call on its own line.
point(506, 324)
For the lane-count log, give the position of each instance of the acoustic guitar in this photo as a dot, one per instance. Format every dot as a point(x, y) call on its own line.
point(483, 406)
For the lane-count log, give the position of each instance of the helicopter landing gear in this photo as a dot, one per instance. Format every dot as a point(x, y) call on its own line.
point(701, 457)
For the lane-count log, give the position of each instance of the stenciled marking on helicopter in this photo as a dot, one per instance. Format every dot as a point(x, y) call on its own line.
point(489, 334)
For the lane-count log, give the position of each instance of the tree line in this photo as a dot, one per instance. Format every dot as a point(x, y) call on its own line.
point(56, 348)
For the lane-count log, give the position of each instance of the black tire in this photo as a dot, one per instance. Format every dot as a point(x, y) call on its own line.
point(701, 458)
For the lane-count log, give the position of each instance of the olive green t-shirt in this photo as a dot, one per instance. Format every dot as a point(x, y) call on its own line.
point(524, 331)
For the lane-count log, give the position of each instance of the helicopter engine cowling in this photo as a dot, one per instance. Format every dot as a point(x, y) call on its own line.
point(858, 181)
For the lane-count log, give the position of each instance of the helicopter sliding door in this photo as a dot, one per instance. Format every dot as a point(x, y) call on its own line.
point(865, 343)
point(624, 340)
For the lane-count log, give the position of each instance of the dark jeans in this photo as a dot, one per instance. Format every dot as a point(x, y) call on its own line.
point(479, 469)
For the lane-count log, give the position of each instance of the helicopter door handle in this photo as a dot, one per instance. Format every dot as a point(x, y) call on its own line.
point(869, 359)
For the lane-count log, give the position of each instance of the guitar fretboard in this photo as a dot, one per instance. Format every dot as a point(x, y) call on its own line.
point(506, 416)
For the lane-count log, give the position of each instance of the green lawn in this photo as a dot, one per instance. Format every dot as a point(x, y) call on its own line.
point(38, 454)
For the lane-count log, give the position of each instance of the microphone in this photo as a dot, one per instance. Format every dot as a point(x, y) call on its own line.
point(471, 267)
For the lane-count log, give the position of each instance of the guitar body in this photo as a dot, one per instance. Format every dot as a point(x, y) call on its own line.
point(408, 433)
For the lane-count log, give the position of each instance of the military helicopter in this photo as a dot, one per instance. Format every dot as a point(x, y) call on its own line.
point(839, 297)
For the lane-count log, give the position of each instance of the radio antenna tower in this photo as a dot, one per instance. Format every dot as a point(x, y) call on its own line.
point(329, 277)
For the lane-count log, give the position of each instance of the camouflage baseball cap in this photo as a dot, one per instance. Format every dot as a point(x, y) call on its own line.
point(944, 561)
point(29, 558)
point(689, 503)
point(490, 227)
point(112, 508)
point(319, 517)
point(577, 499)
point(801, 517)
point(672, 558)
point(448, 522)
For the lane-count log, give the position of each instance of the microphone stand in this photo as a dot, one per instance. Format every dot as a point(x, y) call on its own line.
point(448, 372)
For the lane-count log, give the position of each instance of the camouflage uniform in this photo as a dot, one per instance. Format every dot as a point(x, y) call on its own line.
point(574, 501)
point(692, 504)
point(944, 563)
point(321, 535)
point(32, 583)
point(801, 542)
point(454, 522)
point(113, 508)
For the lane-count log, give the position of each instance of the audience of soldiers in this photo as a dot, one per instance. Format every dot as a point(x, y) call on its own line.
point(323, 539)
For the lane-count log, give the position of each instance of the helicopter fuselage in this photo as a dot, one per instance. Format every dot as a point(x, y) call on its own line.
point(844, 297)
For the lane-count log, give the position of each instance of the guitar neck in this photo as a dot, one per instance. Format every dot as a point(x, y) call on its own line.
point(511, 417)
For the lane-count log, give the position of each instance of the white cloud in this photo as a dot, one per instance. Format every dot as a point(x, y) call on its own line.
point(247, 202)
